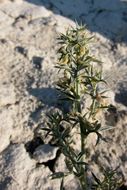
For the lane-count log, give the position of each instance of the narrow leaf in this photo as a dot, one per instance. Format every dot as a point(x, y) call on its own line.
point(62, 185)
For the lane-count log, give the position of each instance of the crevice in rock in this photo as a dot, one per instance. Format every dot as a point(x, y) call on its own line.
point(51, 163)
point(18, 18)
point(9, 15)
point(21, 50)
point(3, 41)
point(100, 11)
point(122, 114)
point(114, 48)
point(32, 145)
point(125, 16)
point(121, 95)
point(37, 62)
point(123, 187)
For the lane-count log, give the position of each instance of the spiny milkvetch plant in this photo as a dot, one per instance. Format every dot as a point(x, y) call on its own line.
point(81, 78)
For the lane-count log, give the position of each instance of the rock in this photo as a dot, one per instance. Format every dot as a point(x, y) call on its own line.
point(44, 153)
point(21, 50)
point(3, 17)
point(91, 140)
point(62, 23)
point(70, 182)
point(28, 31)
point(6, 128)
point(39, 178)
point(75, 10)
point(19, 171)
point(118, 32)
point(37, 12)
point(37, 62)
point(109, 5)
point(7, 94)
point(15, 167)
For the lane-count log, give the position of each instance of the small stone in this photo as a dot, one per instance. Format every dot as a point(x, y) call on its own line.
point(44, 153)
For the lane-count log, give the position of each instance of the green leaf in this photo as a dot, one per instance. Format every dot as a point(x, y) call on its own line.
point(96, 179)
point(65, 99)
point(69, 165)
point(66, 133)
point(97, 125)
point(62, 185)
point(99, 136)
point(80, 155)
point(69, 95)
point(107, 128)
point(82, 163)
point(57, 175)
point(46, 129)
point(77, 174)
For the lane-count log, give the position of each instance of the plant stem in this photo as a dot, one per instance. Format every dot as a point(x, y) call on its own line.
point(83, 182)
point(82, 179)
point(77, 102)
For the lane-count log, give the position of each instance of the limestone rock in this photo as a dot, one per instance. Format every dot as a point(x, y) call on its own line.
point(44, 153)
point(19, 171)
point(6, 124)
point(109, 5)
point(15, 167)
point(28, 31)
point(39, 178)
point(7, 94)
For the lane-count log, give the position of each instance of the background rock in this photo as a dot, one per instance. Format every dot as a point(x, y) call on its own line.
point(28, 31)
point(5, 128)
point(44, 153)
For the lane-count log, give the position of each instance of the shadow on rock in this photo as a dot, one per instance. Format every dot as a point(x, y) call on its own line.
point(121, 95)
point(108, 18)
point(48, 96)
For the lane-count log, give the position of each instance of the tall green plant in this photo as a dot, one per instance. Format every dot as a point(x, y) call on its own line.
point(80, 79)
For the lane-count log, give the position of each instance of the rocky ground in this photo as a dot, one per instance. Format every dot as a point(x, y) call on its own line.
point(28, 31)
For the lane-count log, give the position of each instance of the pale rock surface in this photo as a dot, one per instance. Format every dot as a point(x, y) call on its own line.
point(70, 183)
point(6, 125)
point(28, 31)
point(39, 179)
point(7, 94)
point(18, 171)
point(44, 153)
point(15, 167)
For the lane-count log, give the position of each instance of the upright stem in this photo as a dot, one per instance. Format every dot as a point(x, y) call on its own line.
point(82, 179)
point(77, 101)
point(83, 182)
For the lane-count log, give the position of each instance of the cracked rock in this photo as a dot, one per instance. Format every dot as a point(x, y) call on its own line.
point(27, 77)
point(19, 172)
point(44, 153)
point(15, 166)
